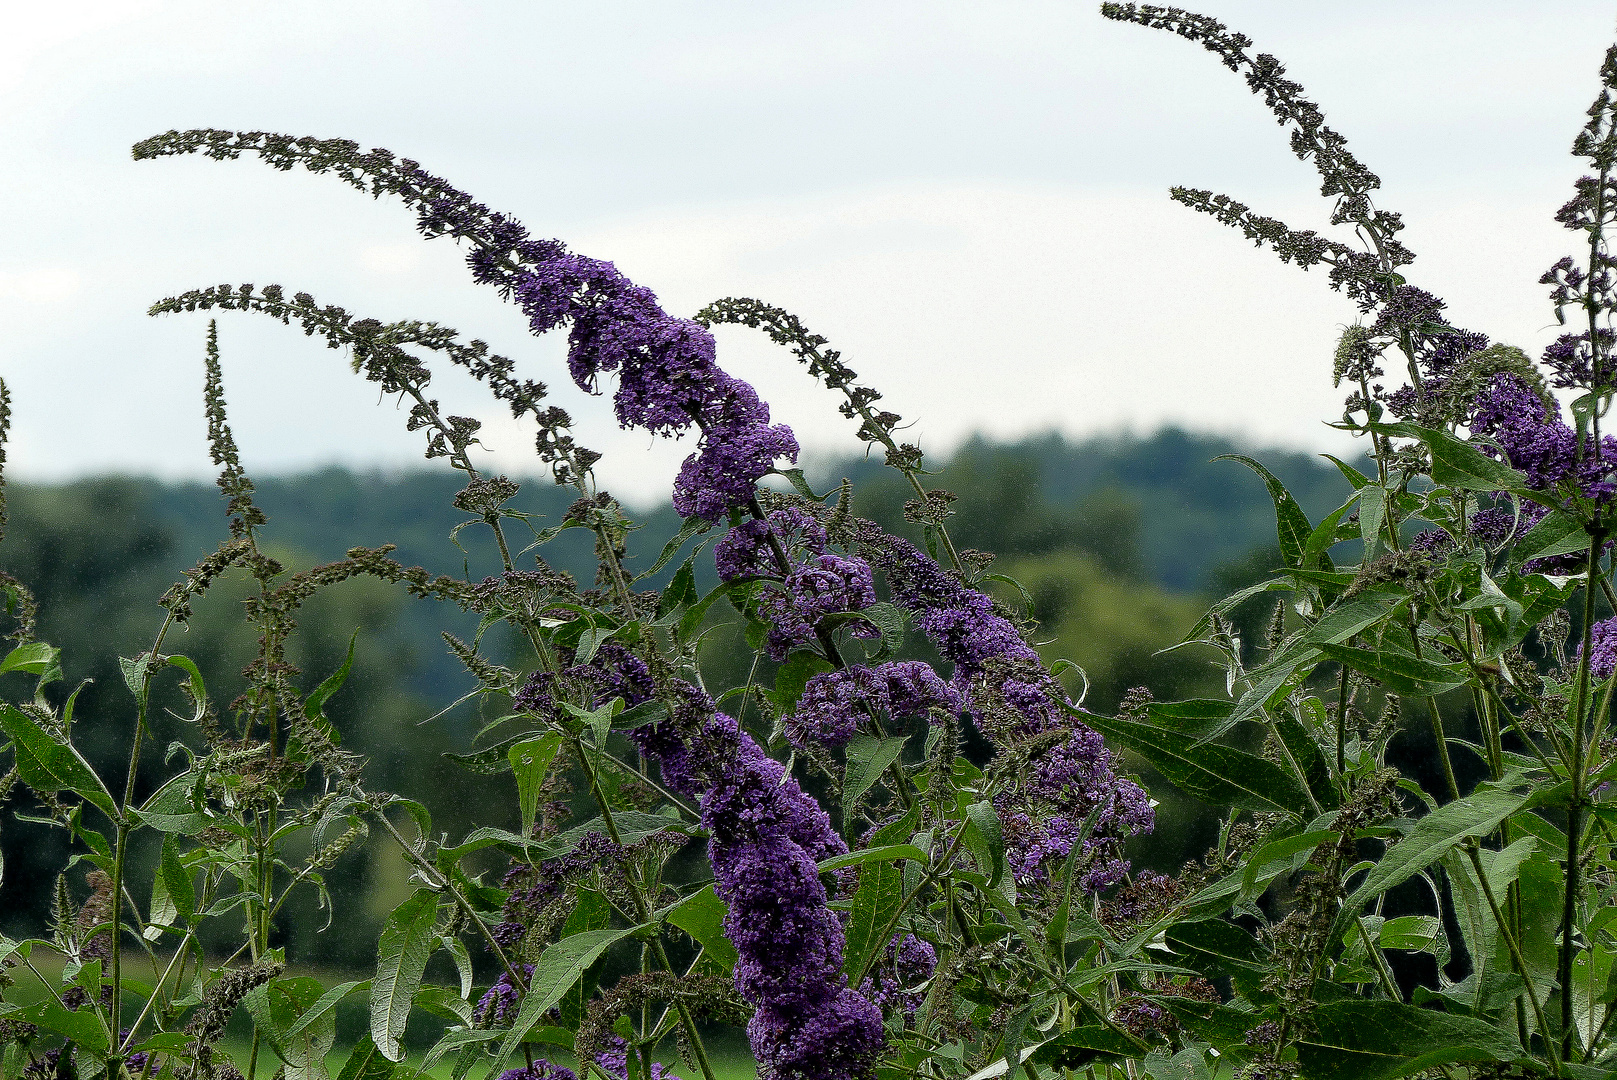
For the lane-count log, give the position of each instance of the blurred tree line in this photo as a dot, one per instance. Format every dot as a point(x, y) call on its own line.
point(1119, 544)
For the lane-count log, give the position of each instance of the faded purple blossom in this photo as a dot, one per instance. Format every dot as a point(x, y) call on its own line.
point(1142, 1018)
point(819, 586)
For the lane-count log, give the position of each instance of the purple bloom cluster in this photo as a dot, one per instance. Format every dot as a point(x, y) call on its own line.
point(1577, 363)
point(668, 380)
point(615, 1060)
point(813, 583)
point(1014, 699)
point(895, 982)
point(614, 672)
point(498, 1006)
point(766, 839)
point(533, 890)
point(828, 712)
point(539, 1070)
point(1534, 438)
point(1602, 649)
point(1415, 315)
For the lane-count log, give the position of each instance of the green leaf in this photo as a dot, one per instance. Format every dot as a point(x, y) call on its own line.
point(884, 853)
point(691, 621)
point(48, 764)
point(401, 957)
point(555, 972)
point(799, 483)
point(314, 705)
point(1457, 463)
point(1291, 524)
point(1557, 533)
point(1301, 745)
point(792, 677)
point(1372, 513)
point(1200, 718)
point(633, 826)
point(1217, 775)
point(366, 1062)
point(83, 1026)
point(1399, 673)
point(985, 839)
point(276, 1006)
point(647, 712)
point(701, 915)
point(325, 1004)
point(868, 757)
point(1216, 947)
point(173, 808)
point(456, 1039)
point(681, 591)
point(875, 903)
point(177, 881)
point(1383, 1040)
point(1438, 832)
point(134, 673)
point(1278, 850)
point(530, 761)
point(693, 527)
point(199, 689)
point(1410, 933)
point(1349, 473)
point(490, 760)
point(1083, 1046)
point(33, 657)
point(891, 621)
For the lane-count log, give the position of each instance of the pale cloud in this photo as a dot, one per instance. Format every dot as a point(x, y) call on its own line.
point(969, 200)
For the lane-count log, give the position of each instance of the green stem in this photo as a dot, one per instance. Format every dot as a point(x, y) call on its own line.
point(1575, 811)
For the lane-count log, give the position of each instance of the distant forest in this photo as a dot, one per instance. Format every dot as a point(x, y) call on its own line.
point(1119, 543)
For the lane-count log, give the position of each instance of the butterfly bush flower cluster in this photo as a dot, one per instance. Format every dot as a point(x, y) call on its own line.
point(833, 702)
point(766, 836)
point(1015, 701)
point(1602, 649)
point(1526, 425)
point(766, 839)
point(804, 580)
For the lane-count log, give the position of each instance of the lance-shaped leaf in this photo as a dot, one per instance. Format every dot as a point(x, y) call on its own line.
point(557, 969)
point(876, 901)
point(1457, 463)
point(1397, 672)
point(868, 758)
point(1435, 834)
point(401, 957)
point(1291, 524)
point(49, 764)
point(530, 761)
point(1217, 775)
point(701, 915)
point(1383, 1040)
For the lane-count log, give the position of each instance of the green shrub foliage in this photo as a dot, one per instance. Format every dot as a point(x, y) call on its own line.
point(898, 846)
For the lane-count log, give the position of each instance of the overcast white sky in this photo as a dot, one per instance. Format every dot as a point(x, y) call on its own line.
point(968, 198)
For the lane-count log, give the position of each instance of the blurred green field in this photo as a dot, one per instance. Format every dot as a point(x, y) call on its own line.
point(725, 1066)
